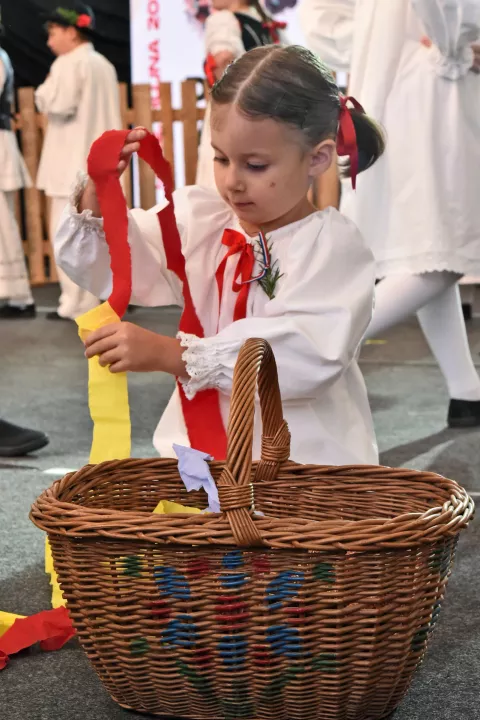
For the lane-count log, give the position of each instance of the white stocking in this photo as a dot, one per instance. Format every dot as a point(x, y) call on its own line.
point(436, 299)
point(444, 328)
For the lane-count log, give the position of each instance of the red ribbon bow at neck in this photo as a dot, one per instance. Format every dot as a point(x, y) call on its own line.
point(347, 136)
point(237, 243)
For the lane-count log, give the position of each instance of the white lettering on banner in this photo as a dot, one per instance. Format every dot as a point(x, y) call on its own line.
point(153, 24)
point(146, 50)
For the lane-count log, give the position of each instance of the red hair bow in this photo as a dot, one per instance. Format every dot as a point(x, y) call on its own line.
point(347, 136)
point(273, 26)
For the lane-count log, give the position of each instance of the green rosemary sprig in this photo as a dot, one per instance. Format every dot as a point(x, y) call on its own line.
point(272, 276)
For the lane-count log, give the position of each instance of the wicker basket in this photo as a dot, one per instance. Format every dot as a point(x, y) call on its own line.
point(320, 609)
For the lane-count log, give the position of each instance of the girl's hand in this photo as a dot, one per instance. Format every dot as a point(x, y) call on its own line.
point(89, 200)
point(125, 347)
point(132, 145)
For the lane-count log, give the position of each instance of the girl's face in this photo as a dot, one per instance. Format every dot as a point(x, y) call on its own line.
point(261, 168)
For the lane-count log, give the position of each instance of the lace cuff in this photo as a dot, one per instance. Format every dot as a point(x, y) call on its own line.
point(85, 219)
point(452, 68)
point(202, 362)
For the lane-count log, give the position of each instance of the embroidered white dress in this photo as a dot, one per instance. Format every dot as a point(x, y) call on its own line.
point(14, 282)
point(315, 323)
point(418, 206)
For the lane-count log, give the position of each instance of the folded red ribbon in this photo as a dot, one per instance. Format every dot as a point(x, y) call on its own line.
point(51, 628)
point(347, 136)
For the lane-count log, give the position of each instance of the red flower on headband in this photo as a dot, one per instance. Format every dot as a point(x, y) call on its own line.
point(84, 21)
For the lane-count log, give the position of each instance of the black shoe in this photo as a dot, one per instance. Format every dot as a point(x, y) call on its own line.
point(15, 440)
point(467, 311)
point(55, 316)
point(12, 312)
point(464, 413)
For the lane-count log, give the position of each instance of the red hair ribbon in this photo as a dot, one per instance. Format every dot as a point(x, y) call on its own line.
point(347, 136)
point(273, 26)
point(202, 415)
point(209, 68)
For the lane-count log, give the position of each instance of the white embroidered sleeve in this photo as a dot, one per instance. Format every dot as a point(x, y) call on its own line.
point(328, 27)
point(223, 34)
point(81, 251)
point(315, 323)
point(452, 26)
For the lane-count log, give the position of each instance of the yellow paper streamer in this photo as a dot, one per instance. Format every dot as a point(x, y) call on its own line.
point(57, 598)
point(107, 395)
point(166, 507)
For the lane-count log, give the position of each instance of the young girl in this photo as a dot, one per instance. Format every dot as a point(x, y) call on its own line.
point(236, 27)
point(275, 116)
point(416, 64)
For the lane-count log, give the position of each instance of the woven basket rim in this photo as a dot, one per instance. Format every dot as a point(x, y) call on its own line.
point(412, 529)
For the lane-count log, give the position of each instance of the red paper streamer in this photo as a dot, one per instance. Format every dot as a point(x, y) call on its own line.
point(51, 628)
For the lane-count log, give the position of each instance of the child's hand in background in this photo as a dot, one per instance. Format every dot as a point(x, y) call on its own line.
point(125, 347)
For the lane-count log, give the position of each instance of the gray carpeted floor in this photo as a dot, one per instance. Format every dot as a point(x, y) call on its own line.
point(43, 384)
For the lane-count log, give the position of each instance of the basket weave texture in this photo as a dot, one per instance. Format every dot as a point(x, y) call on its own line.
point(319, 609)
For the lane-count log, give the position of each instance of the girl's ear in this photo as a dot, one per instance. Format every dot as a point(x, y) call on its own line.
point(321, 158)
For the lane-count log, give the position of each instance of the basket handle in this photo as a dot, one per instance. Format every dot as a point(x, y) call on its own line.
point(255, 365)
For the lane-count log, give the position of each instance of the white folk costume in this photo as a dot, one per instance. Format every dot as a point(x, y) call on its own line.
point(418, 206)
point(234, 33)
point(81, 99)
point(14, 282)
point(315, 322)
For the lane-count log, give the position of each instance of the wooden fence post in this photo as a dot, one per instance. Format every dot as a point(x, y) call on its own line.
point(30, 142)
point(167, 124)
point(190, 131)
point(124, 112)
point(142, 108)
